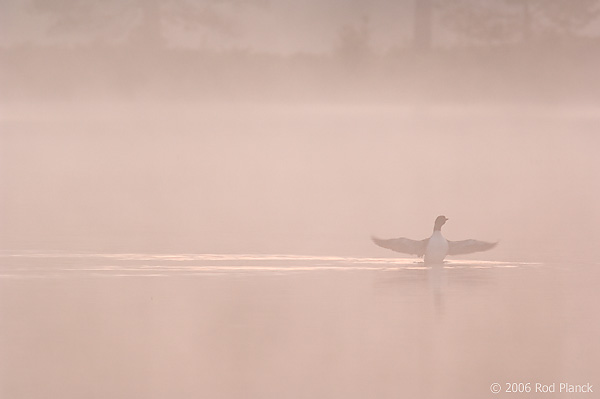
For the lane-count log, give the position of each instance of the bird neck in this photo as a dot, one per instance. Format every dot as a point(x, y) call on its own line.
point(437, 227)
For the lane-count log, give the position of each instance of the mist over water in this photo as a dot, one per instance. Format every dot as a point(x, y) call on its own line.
point(140, 325)
point(310, 179)
point(187, 195)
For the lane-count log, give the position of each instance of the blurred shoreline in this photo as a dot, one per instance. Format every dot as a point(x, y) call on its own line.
point(545, 73)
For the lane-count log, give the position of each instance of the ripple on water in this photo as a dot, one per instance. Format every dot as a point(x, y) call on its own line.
point(23, 265)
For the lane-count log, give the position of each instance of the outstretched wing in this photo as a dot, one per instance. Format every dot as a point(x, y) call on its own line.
point(468, 246)
point(403, 245)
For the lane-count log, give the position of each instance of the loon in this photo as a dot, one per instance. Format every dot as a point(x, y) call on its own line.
point(435, 248)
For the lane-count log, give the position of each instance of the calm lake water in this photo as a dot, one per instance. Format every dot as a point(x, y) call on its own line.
point(85, 325)
point(113, 185)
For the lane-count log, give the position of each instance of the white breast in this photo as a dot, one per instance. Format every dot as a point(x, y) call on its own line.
point(437, 248)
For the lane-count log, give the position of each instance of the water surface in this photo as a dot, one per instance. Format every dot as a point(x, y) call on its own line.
point(137, 325)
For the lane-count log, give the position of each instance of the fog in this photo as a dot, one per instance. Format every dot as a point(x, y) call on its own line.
point(302, 179)
point(188, 190)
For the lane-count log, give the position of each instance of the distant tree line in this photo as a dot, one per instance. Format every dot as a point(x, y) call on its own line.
point(143, 65)
point(144, 22)
point(503, 21)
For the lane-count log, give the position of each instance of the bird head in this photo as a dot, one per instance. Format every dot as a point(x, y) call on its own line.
point(439, 222)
